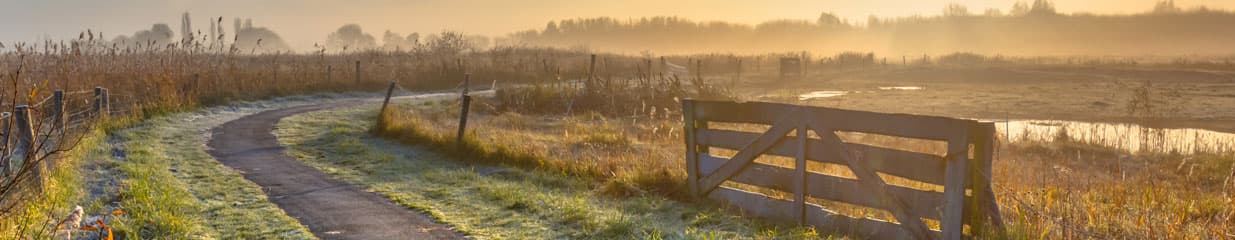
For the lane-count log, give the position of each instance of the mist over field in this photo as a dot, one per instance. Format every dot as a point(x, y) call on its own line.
point(1012, 28)
point(1024, 30)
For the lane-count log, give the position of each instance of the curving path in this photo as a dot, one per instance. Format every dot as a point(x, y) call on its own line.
point(330, 208)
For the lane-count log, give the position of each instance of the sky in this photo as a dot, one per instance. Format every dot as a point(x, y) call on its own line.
point(306, 22)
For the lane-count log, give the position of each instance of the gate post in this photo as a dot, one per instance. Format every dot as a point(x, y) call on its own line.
point(692, 156)
point(957, 159)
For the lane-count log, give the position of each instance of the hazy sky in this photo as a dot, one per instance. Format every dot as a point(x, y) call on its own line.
point(305, 22)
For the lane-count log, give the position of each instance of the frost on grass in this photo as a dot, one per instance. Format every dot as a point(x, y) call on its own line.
point(498, 202)
point(170, 186)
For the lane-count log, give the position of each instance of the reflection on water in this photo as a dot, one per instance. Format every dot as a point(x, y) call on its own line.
point(820, 94)
point(901, 88)
point(1130, 137)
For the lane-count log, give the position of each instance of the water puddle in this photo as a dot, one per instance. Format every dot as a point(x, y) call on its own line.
point(908, 88)
point(1129, 137)
point(821, 94)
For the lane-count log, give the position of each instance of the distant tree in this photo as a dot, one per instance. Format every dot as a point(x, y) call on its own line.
point(450, 42)
point(1166, 7)
point(413, 39)
point(551, 28)
point(955, 10)
point(394, 41)
point(827, 19)
point(350, 36)
point(1042, 8)
point(1019, 9)
point(158, 34)
point(257, 39)
point(478, 42)
point(992, 12)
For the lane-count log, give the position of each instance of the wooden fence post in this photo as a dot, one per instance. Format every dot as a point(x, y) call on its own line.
point(389, 91)
point(591, 74)
point(59, 119)
point(358, 72)
point(329, 73)
point(106, 99)
point(467, 101)
point(983, 208)
point(98, 94)
point(737, 78)
point(952, 222)
point(692, 156)
point(6, 123)
point(25, 136)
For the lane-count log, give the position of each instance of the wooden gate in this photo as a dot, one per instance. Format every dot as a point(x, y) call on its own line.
point(966, 166)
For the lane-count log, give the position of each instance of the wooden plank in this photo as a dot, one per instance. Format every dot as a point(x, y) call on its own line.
point(894, 124)
point(827, 187)
point(922, 167)
point(771, 208)
point(872, 181)
point(747, 155)
point(954, 189)
point(692, 157)
point(741, 112)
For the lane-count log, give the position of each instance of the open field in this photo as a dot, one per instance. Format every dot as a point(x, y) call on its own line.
point(1176, 97)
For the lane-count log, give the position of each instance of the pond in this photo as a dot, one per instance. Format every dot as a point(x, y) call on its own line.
point(1130, 137)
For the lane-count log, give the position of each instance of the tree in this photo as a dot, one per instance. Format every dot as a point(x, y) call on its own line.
point(1042, 8)
point(992, 12)
point(1166, 7)
point(1019, 9)
point(551, 28)
point(158, 34)
point(449, 42)
point(350, 36)
point(955, 10)
point(827, 19)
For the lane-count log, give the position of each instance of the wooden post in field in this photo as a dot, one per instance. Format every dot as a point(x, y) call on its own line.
point(329, 72)
point(591, 73)
point(59, 119)
point(5, 128)
point(699, 71)
point(389, 91)
point(737, 78)
point(357, 72)
point(106, 102)
point(467, 100)
point(100, 102)
point(25, 136)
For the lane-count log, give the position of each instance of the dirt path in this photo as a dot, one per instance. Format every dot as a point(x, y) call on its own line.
point(330, 208)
